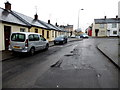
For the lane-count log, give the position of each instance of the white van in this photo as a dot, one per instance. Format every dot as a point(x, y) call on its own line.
point(27, 42)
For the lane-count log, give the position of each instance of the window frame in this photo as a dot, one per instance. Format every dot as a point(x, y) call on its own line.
point(22, 29)
point(114, 25)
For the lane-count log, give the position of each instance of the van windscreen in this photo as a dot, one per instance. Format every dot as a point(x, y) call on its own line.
point(18, 37)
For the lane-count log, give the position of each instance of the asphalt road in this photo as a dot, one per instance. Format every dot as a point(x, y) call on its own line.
point(76, 64)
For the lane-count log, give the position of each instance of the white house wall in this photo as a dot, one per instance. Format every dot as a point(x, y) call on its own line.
point(109, 27)
point(1, 36)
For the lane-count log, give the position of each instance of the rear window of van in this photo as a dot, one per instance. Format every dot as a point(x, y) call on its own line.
point(18, 37)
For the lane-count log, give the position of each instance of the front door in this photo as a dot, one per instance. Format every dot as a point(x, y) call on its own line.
point(7, 32)
point(96, 32)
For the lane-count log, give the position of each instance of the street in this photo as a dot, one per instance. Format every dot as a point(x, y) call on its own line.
point(77, 64)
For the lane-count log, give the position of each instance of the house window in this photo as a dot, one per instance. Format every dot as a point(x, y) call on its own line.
point(102, 32)
point(22, 29)
point(114, 32)
point(36, 30)
point(114, 25)
point(52, 33)
point(43, 33)
point(101, 25)
point(47, 34)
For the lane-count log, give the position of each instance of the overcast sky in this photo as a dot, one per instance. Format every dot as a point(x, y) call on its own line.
point(66, 11)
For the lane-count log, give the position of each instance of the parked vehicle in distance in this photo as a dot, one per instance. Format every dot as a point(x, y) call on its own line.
point(84, 36)
point(73, 36)
point(62, 39)
point(27, 42)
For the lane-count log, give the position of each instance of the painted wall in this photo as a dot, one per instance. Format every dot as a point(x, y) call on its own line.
point(102, 31)
point(45, 32)
point(110, 33)
point(1, 37)
point(14, 28)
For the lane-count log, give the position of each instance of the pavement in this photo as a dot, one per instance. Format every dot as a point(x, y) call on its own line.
point(6, 55)
point(111, 50)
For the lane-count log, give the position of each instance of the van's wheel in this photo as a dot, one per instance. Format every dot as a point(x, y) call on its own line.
point(47, 46)
point(32, 51)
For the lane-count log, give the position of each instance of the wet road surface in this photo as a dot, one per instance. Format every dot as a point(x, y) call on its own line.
point(74, 65)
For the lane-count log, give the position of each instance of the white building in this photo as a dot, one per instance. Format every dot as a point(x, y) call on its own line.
point(112, 29)
point(106, 27)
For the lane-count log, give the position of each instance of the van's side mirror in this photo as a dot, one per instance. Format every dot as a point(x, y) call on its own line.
point(44, 39)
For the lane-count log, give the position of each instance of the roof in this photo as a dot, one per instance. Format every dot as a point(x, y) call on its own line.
point(47, 25)
point(28, 19)
point(109, 20)
point(7, 16)
point(57, 28)
point(14, 17)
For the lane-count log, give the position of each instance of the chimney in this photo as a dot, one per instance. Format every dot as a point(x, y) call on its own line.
point(105, 17)
point(8, 6)
point(116, 16)
point(36, 16)
point(56, 24)
point(48, 21)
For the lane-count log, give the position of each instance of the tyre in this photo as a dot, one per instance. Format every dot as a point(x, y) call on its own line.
point(32, 51)
point(47, 46)
point(66, 41)
point(54, 43)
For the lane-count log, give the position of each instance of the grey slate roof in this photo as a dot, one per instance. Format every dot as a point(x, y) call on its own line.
point(57, 28)
point(109, 20)
point(21, 19)
point(30, 20)
point(7, 16)
point(47, 25)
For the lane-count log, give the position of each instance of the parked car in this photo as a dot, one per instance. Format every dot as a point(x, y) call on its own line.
point(27, 42)
point(84, 36)
point(73, 36)
point(60, 39)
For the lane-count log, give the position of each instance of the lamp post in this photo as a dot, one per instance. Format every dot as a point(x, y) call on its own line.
point(78, 16)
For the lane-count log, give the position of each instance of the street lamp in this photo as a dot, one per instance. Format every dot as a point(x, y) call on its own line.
point(78, 16)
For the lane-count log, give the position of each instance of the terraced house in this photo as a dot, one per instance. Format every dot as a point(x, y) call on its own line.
point(106, 27)
point(12, 21)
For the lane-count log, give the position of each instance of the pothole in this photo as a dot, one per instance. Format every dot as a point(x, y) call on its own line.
point(57, 64)
point(68, 55)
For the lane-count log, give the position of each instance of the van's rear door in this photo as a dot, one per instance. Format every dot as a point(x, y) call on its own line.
point(17, 41)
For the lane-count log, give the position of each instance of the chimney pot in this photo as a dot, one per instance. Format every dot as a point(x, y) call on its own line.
point(36, 16)
point(8, 6)
point(105, 17)
point(56, 24)
point(48, 21)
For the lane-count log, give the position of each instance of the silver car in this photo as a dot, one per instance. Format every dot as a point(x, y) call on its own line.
point(27, 42)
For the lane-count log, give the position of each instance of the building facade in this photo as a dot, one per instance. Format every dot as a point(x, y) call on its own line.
point(12, 21)
point(106, 27)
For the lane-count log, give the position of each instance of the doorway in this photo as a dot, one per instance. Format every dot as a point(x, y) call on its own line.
point(96, 32)
point(7, 32)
